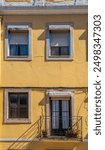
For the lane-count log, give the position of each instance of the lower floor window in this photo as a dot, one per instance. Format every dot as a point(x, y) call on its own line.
point(17, 106)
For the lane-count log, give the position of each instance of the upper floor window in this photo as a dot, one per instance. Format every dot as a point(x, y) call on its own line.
point(59, 42)
point(18, 42)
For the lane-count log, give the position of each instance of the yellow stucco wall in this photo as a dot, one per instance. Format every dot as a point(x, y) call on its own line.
point(42, 73)
point(0, 46)
point(38, 109)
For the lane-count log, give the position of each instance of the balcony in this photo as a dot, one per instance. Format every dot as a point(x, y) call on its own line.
point(60, 127)
point(51, 128)
point(45, 3)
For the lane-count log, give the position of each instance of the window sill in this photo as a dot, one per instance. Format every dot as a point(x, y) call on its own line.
point(19, 121)
point(18, 58)
point(60, 58)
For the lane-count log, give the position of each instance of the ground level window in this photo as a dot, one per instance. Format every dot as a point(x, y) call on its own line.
point(17, 108)
point(18, 105)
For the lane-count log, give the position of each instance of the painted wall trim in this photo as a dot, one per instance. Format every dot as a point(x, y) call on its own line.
point(34, 139)
point(58, 88)
point(42, 10)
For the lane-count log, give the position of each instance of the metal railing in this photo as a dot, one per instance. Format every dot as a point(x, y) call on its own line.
point(61, 127)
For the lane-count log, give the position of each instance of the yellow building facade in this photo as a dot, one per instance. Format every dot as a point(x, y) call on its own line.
point(43, 75)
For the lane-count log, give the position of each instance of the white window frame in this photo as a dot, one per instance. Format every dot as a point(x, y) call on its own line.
point(58, 27)
point(64, 94)
point(18, 27)
point(6, 106)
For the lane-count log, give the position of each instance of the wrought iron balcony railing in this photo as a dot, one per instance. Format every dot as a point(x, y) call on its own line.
point(45, 3)
point(61, 127)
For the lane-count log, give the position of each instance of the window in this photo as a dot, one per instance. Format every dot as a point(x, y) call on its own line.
point(18, 41)
point(59, 112)
point(59, 42)
point(17, 106)
point(60, 115)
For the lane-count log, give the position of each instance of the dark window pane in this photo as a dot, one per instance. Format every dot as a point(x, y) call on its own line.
point(13, 105)
point(13, 50)
point(18, 50)
point(23, 105)
point(64, 50)
point(54, 51)
point(13, 97)
point(13, 113)
point(24, 112)
point(23, 98)
point(18, 105)
point(23, 50)
point(60, 51)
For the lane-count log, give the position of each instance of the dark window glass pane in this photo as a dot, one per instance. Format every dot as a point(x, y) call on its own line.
point(13, 50)
point(23, 105)
point(13, 105)
point(54, 51)
point(24, 112)
point(13, 97)
point(23, 50)
point(64, 50)
point(23, 99)
point(18, 50)
point(18, 105)
point(60, 51)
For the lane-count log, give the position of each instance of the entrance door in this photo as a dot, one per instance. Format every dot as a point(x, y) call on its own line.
point(60, 116)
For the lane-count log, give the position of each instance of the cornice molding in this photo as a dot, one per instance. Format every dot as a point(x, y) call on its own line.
point(43, 10)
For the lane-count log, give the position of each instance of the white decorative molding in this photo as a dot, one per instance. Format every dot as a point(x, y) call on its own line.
point(59, 93)
point(29, 10)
